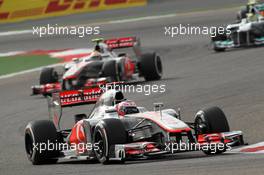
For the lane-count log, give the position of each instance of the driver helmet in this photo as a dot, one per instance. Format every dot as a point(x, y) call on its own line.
point(126, 107)
point(98, 48)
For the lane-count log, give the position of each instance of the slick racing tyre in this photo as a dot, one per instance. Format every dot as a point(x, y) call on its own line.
point(48, 75)
point(107, 133)
point(110, 69)
point(218, 37)
point(39, 135)
point(257, 29)
point(242, 14)
point(209, 121)
point(218, 49)
point(150, 66)
point(212, 119)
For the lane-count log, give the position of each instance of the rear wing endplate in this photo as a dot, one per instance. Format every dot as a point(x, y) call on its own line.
point(70, 98)
point(63, 99)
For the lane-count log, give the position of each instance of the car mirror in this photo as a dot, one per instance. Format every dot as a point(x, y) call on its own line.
point(158, 106)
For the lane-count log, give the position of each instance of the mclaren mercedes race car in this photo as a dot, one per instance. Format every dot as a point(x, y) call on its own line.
point(119, 130)
point(103, 65)
point(243, 34)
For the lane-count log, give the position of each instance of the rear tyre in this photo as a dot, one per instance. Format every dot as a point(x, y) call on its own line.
point(257, 30)
point(48, 75)
point(242, 14)
point(211, 120)
point(150, 66)
point(41, 134)
point(107, 133)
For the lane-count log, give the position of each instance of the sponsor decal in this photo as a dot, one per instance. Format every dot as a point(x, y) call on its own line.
point(73, 97)
point(3, 15)
point(17, 10)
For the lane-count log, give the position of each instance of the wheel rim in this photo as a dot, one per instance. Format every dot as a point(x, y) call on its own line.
point(200, 126)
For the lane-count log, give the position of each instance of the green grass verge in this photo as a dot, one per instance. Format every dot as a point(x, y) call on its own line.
point(14, 64)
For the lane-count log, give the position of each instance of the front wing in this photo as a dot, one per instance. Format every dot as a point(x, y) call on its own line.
point(146, 149)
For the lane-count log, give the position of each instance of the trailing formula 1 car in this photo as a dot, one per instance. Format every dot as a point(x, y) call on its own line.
point(118, 130)
point(103, 65)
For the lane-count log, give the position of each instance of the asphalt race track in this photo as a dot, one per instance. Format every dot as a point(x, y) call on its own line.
point(195, 77)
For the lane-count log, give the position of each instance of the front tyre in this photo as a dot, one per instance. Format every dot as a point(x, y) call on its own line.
point(218, 49)
point(39, 136)
point(48, 75)
point(209, 121)
point(219, 37)
point(107, 133)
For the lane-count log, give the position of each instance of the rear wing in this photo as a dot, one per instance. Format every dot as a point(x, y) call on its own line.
point(60, 100)
point(118, 43)
point(125, 42)
point(78, 97)
point(63, 99)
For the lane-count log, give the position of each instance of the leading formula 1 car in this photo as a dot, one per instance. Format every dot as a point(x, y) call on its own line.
point(119, 130)
point(254, 7)
point(102, 66)
point(247, 32)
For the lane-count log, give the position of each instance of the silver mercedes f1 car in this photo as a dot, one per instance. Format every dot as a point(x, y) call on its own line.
point(245, 33)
